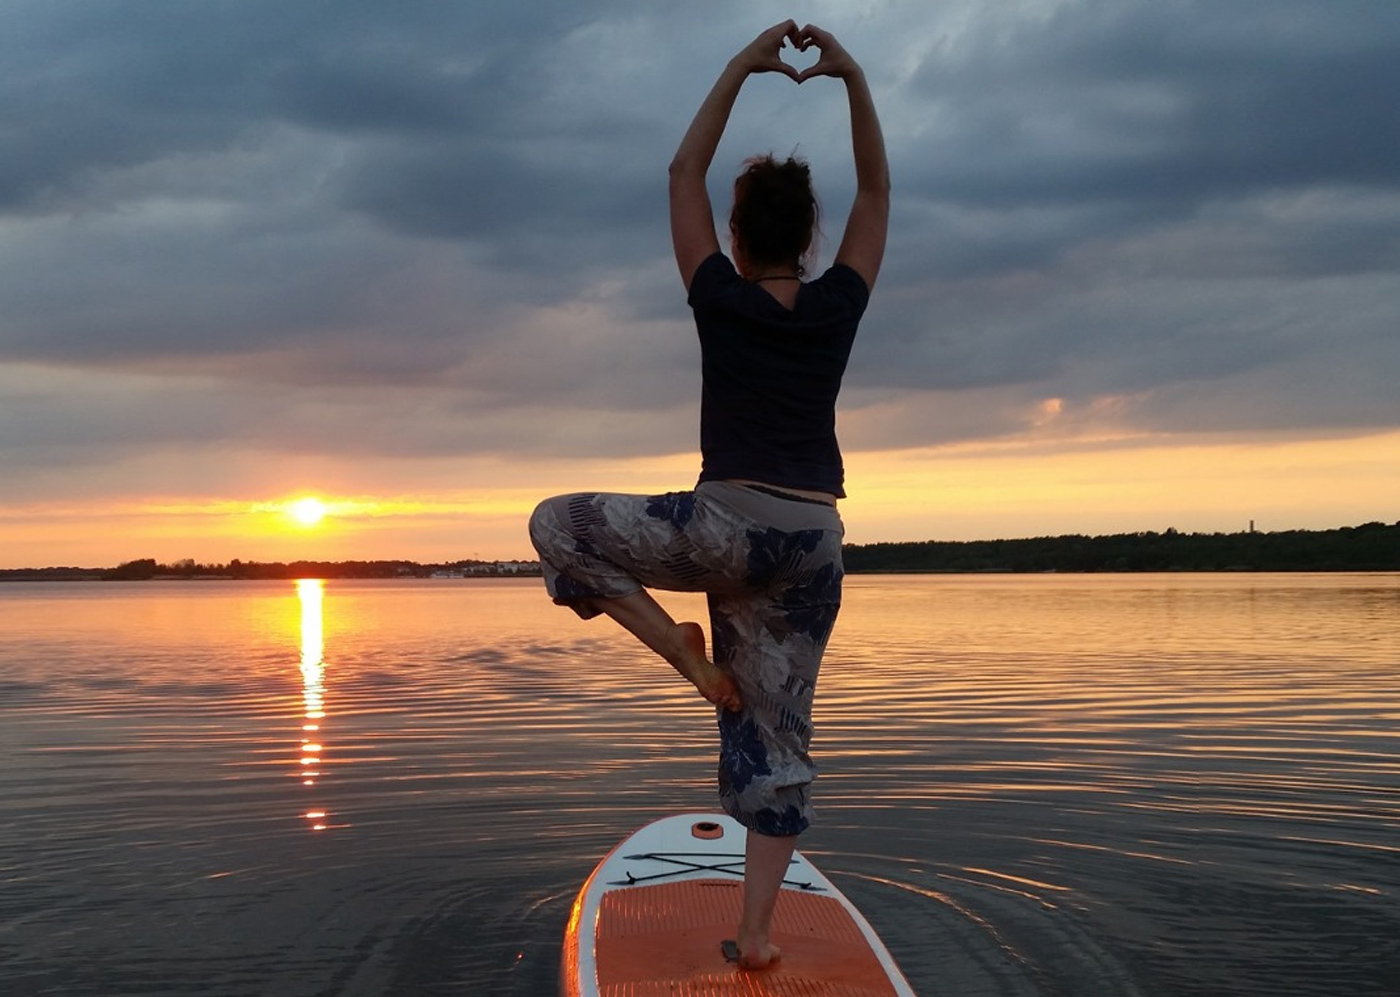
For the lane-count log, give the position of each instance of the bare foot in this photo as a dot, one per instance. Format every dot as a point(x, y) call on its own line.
point(760, 955)
point(688, 658)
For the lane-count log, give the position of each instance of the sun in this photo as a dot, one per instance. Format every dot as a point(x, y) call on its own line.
point(307, 511)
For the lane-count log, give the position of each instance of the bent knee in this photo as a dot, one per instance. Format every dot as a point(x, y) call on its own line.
point(546, 523)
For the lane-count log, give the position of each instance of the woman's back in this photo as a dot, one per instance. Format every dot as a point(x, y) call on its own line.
point(771, 374)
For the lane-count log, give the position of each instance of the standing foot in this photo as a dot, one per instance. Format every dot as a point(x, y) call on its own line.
point(766, 860)
point(687, 656)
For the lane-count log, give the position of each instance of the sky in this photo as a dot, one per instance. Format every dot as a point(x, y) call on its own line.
point(412, 260)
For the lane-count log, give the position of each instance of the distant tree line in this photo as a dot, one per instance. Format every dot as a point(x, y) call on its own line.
point(1369, 547)
point(147, 568)
point(54, 574)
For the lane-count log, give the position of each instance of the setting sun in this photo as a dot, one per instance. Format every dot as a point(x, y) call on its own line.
point(307, 511)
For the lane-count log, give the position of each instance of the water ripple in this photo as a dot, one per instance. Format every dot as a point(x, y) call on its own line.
point(1108, 785)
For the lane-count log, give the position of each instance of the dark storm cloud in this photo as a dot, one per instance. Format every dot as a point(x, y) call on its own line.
point(1113, 200)
point(1190, 206)
point(1177, 103)
point(97, 86)
point(485, 191)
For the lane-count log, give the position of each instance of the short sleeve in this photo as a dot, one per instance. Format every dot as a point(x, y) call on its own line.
point(843, 284)
point(712, 277)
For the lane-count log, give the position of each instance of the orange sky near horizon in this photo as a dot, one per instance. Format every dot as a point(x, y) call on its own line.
point(968, 492)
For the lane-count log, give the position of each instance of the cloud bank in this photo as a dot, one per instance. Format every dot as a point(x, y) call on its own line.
point(371, 231)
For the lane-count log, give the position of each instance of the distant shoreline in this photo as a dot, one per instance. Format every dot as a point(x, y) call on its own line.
point(1368, 547)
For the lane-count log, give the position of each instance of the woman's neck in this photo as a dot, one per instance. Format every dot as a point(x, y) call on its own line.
point(782, 287)
point(757, 273)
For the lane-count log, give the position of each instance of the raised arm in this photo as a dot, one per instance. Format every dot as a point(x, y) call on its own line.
point(692, 220)
point(863, 244)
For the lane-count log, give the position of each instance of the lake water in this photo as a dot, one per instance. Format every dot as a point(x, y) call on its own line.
point(1032, 785)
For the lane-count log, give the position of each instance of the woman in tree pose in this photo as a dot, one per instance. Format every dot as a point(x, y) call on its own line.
point(759, 533)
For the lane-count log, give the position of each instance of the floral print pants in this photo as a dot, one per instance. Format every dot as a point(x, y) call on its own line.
point(771, 570)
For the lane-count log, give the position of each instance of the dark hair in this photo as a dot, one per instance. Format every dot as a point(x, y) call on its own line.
point(774, 219)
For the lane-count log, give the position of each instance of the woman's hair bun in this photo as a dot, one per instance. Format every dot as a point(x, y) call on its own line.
point(775, 210)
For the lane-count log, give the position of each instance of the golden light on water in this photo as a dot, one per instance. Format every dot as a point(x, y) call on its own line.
point(311, 596)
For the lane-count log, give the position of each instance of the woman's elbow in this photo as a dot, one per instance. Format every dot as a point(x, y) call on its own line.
point(874, 197)
point(684, 167)
point(878, 185)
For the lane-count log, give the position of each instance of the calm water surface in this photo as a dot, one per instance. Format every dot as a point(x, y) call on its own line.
point(1032, 785)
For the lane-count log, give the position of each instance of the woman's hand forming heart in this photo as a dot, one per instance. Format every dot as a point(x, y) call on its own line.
point(761, 54)
point(834, 60)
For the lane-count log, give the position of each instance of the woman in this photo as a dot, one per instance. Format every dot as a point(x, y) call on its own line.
point(759, 534)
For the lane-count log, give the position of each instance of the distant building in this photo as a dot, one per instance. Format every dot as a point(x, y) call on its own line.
point(497, 569)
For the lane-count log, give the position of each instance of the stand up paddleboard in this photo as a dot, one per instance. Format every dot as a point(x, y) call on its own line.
point(651, 918)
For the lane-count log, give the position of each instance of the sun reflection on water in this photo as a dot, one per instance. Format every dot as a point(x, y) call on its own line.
point(311, 596)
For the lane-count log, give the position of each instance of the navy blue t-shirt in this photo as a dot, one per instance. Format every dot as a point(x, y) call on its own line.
point(771, 376)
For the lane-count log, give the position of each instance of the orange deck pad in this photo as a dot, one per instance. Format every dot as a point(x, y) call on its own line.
point(664, 941)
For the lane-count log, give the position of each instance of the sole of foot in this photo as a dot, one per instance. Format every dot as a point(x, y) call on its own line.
point(692, 662)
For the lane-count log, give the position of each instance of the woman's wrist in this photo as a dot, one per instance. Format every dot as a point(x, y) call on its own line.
point(739, 68)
